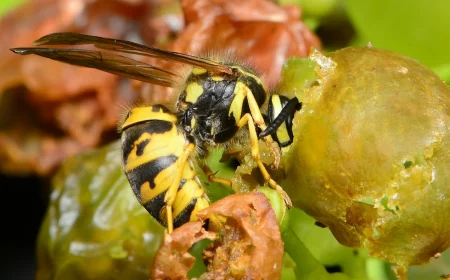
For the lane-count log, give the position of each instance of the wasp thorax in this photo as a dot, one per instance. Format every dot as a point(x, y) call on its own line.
point(211, 103)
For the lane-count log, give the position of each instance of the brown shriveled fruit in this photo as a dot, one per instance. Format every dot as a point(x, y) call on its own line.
point(248, 243)
point(51, 110)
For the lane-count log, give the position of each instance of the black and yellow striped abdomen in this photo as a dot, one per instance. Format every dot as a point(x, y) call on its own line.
point(152, 147)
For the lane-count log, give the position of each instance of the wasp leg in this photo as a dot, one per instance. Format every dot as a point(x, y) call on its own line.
point(212, 176)
point(286, 116)
point(259, 121)
point(173, 189)
point(247, 119)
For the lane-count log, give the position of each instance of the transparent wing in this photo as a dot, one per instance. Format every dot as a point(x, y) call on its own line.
point(68, 38)
point(109, 62)
point(115, 63)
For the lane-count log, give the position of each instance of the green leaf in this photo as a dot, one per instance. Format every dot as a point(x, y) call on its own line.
point(419, 29)
point(8, 5)
point(313, 247)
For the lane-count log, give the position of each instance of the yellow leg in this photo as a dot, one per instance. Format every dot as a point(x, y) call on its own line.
point(212, 177)
point(259, 121)
point(256, 156)
point(169, 219)
point(173, 189)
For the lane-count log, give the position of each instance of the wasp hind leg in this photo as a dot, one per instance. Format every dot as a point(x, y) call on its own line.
point(173, 189)
point(247, 119)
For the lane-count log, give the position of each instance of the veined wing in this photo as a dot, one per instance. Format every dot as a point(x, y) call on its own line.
point(108, 62)
point(68, 38)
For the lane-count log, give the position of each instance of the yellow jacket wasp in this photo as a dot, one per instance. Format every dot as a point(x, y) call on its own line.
point(217, 100)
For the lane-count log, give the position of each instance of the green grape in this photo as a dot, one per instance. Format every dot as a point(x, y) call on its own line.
point(94, 227)
point(371, 157)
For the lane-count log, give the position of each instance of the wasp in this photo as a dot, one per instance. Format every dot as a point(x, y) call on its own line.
point(217, 100)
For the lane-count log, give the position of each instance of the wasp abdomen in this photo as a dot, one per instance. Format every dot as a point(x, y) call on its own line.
point(147, 173)
point(152, 148)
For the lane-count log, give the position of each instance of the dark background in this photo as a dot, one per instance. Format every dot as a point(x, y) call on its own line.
point(22, 208)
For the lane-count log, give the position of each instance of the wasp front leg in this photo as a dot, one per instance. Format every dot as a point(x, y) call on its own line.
point(247, 119)
point(173, 189)
point(258, 119)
